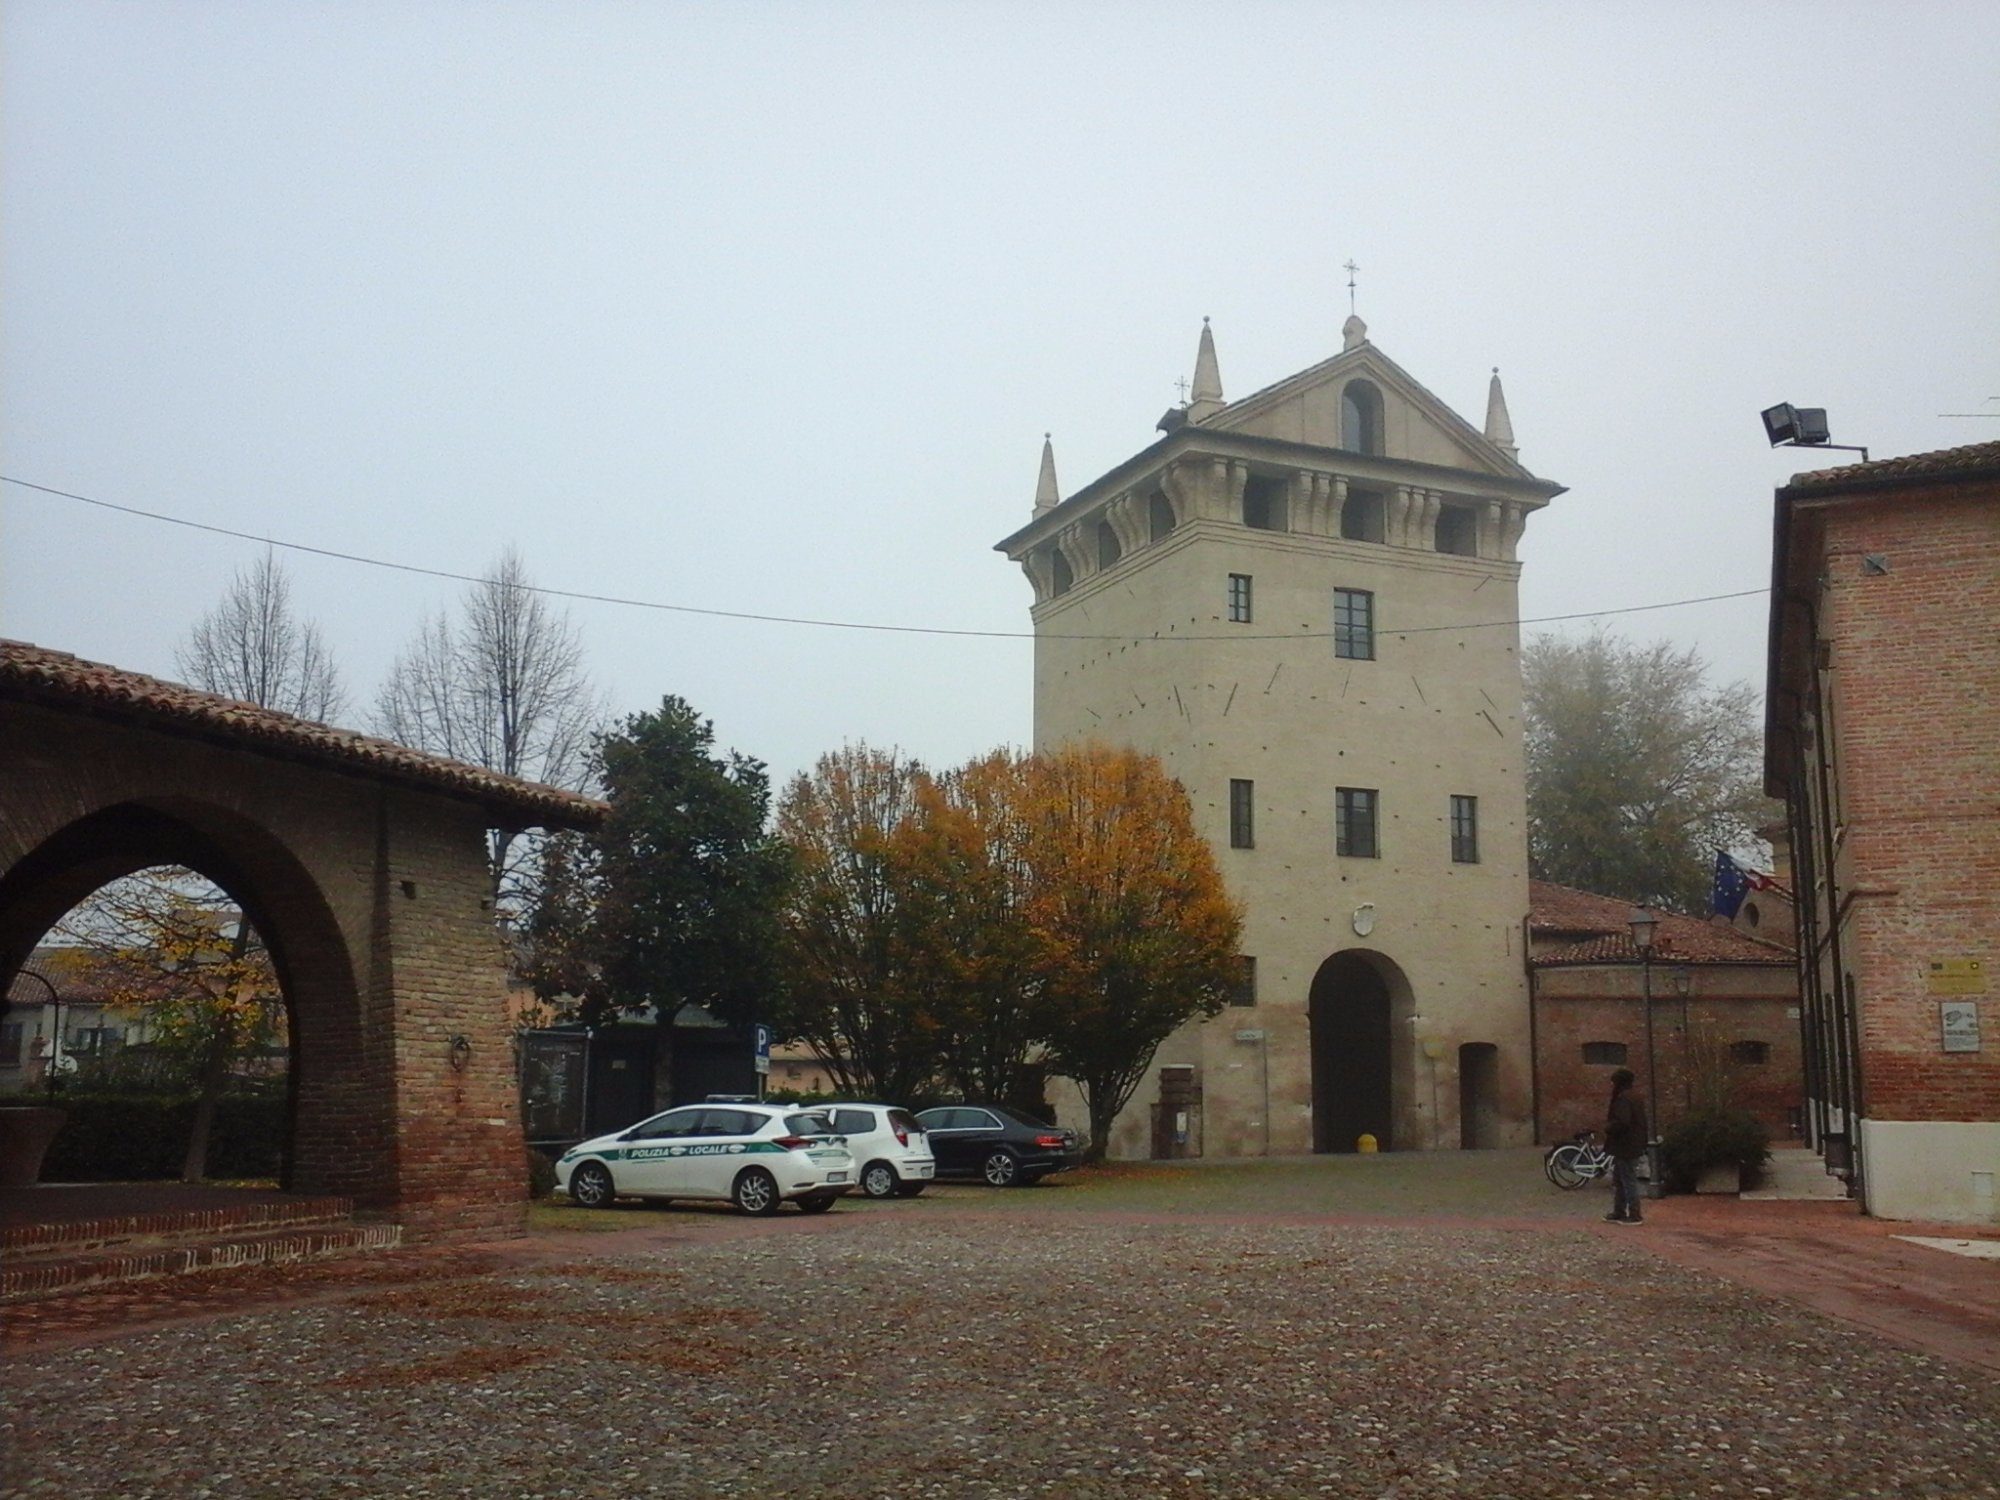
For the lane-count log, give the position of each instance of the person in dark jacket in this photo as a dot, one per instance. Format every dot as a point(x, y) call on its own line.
point(1625, 1138)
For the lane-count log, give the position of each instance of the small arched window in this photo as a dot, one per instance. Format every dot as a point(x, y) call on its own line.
point(1160, 514)
point(1361, 418)
point(1061, 579)
point(1108, 550)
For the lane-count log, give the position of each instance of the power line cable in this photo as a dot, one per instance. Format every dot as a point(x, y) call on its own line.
point(766, 619)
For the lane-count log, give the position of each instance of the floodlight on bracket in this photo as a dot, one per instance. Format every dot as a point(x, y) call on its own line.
point(1789, 426)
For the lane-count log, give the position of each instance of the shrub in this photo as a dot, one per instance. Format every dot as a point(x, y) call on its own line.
point(1713, 1138)
point(541, 1175)
point(124, 1138)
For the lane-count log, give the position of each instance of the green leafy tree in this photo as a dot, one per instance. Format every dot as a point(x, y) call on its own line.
point(850, 948)
point(1134, 932)
point(1638, 769)
point(674, 900)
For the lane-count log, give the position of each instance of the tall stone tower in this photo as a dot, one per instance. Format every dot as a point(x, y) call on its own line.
point(1304, 603)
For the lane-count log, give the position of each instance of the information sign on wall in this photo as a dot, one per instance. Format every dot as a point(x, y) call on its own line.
point(1959, 1022)
point(1956, 976)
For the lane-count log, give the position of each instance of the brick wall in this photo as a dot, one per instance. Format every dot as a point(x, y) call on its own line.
point(1728, 1004)
point(373, 900)
point(1909, 606)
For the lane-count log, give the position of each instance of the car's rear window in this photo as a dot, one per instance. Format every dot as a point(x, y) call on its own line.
point(808, 1125)
point(902, 1119)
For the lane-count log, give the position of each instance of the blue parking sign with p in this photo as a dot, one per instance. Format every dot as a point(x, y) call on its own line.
point(763, 1049)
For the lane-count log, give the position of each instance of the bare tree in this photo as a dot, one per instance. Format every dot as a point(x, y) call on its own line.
point(251, 647)
point(499, 683)
point(1639, 768)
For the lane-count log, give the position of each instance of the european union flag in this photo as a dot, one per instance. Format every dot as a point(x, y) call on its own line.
point(1731, 886)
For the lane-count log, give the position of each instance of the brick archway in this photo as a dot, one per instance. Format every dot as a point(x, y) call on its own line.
point(362, 863)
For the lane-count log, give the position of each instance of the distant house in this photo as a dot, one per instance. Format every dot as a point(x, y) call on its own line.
point(61, 1019)
point(1882, 734)
point(1725, 1014)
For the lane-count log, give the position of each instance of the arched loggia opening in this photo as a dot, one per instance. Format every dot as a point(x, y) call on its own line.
point(1357, 1000)
point(339, 1126)
point(154, 998)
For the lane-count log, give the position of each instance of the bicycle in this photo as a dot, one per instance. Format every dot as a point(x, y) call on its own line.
point(1577, 1161)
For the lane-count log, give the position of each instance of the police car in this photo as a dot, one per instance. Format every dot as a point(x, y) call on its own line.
point(754, 1155)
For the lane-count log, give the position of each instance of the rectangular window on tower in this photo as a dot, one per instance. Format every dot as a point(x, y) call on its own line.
point(1245, 992)
point(1239, 598)
point(1242, 835)
point(1465, 830)
point(1354, 624)
point(1354, 822)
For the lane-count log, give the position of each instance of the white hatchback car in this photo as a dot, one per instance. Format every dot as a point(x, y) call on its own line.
point(754, 1155)
point(894, 1152)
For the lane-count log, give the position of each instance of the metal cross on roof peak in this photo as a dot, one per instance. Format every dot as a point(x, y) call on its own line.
point(1350, 268)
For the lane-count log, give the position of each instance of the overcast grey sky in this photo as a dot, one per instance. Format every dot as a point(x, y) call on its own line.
point(765, 308)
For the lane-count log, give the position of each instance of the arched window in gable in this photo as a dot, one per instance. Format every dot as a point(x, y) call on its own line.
point(1361, 418)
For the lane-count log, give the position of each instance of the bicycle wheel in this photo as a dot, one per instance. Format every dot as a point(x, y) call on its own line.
point(1566, 1167)
point(1549, 1163)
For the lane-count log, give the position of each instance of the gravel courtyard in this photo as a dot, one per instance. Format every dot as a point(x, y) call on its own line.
point(1331, 1330)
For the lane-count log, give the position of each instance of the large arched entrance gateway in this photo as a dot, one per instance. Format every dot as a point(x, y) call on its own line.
point(363, 865)
point(1356, 999)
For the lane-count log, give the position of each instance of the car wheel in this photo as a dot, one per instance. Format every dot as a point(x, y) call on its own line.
point(908, 1189)
point(756, 1192)
point(878, 1180)
point(590, 1186)
point(814, 1205)
point(1001, 1169)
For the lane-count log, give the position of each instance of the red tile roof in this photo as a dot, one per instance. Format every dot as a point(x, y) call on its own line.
point(1974, 461)
point(1598, 933)
point(33, 674)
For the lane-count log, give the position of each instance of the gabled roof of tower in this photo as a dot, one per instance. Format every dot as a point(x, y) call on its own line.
point(1227, 432)
point(1365, 359)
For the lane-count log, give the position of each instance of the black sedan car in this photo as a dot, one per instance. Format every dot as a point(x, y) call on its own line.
point(1001, 1146)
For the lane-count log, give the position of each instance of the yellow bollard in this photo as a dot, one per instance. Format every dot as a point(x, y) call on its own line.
point(1365, 1144)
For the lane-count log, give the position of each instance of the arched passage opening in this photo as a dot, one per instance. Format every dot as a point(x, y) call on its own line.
point(1356, 1000)
point(152, 1005)
point(339, 1129)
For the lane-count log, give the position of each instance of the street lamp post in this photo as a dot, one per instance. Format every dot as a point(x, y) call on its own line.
point(1643, 923)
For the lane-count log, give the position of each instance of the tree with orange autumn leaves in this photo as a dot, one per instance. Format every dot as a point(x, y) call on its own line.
point(1017, 917)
